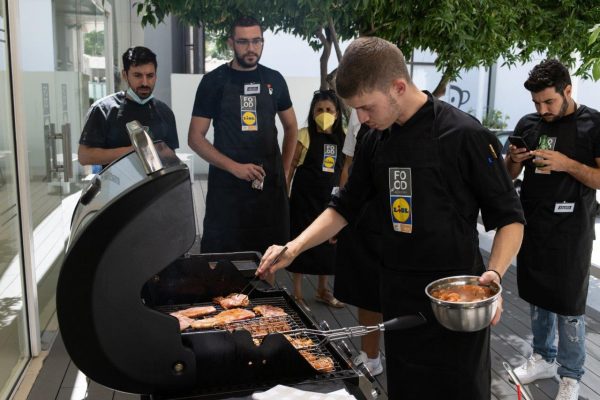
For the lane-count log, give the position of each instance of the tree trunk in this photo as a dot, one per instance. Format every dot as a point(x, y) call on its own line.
point(334, 40)
point(440, 90)
point(324, 58)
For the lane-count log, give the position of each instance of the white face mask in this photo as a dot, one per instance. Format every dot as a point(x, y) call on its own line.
point(133, 96)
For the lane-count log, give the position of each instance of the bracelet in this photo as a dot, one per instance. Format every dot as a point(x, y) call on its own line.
point(497, 273)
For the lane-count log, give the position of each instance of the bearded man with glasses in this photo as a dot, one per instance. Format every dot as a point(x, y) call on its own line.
point(246, 204)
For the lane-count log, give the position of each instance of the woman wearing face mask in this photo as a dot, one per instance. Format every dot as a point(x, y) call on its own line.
point(317, 164)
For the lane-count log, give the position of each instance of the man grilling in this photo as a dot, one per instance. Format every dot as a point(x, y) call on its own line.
point(437, 167)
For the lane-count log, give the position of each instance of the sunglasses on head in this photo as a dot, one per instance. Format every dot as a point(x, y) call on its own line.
point(324, 91)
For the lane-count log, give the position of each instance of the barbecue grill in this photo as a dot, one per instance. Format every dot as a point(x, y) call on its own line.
point(127, 268)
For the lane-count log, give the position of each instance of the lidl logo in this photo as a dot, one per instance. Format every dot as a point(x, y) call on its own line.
point(401, 210)
point(329, 162)
point(249, 118)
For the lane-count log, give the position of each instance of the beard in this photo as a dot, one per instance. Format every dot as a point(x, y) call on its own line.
point(241, 59)
point(561, 113)
point(143, 91)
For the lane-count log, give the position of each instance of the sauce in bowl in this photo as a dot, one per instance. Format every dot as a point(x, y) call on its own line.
point(463, 293)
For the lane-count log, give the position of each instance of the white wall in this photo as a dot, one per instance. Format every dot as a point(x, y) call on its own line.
point(183, 89)
point(513, 99)
point(293, 56)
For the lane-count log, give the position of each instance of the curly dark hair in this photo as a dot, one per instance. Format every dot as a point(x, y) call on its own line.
point(547, 74)
point(330, 95)
point(139, 55)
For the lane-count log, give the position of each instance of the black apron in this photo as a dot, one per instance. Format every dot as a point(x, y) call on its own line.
point(555, 257)
point(311, 192)
point(358, 256)
point(239, 218)
point(430, 361)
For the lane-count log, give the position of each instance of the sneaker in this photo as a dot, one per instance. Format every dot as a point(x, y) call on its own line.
point(535, 368)
point(373, 364)
point(568, 389)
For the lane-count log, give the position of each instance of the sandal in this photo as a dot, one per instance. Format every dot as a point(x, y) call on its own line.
point(300, 300)
point(329, 300)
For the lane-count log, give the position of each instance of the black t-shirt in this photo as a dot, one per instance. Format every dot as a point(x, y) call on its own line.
point(475, 174)
point(584, 147)
point(105, 122)
point(210, 89)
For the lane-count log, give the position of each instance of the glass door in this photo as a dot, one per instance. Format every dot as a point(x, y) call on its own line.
point(14, 345)
point(62, 62)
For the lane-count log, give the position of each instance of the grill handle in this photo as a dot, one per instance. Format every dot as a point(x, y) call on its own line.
point(404, 322)
point(142, 143)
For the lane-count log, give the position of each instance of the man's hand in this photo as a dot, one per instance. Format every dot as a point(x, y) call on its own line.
point(553, 160)
point(485, 279)
point(248, 172)
point(267, 268)
point(518, 154)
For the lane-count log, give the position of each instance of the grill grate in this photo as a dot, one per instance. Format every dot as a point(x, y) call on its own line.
point(310, 346)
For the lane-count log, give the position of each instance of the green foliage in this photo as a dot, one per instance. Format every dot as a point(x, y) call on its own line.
point(463, 33)
point(594, 45)
point(93, 43)
point(494, 119)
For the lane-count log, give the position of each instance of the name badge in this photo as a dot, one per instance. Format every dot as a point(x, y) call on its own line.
point(252, 88)
point(400, 184)
point(564, 207)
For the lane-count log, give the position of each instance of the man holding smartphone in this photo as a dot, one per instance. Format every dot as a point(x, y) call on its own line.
point(558, 195)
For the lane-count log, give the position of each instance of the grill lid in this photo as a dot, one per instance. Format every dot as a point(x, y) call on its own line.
point(135, 225)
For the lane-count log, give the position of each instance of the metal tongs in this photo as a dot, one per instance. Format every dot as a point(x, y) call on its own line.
point(256, 278)
point(404, 322)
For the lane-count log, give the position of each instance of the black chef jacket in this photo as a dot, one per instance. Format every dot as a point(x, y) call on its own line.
point(430, 178)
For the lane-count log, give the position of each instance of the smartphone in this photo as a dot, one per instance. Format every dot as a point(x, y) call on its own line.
point(518, 142)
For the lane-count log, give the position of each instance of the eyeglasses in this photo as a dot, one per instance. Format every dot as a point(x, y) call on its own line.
point(257, 42)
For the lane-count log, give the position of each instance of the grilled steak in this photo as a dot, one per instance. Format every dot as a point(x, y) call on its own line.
point(267, 310)
point(232, 300)
point(223, 318)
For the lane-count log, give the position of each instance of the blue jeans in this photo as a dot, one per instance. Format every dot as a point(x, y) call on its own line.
point(570, 353)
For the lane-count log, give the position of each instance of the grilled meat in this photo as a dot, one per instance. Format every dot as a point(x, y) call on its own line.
point(300, 342)
point(232, 300)
point(184, 322)
point(263, 326)
point(267, 310)
point(197, 312)
point(223, 318)
point(318, 362)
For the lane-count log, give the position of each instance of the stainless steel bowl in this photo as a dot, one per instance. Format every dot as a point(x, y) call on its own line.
point(463, 316)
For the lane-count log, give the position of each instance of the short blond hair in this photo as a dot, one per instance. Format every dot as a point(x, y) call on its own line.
point(370, 63)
